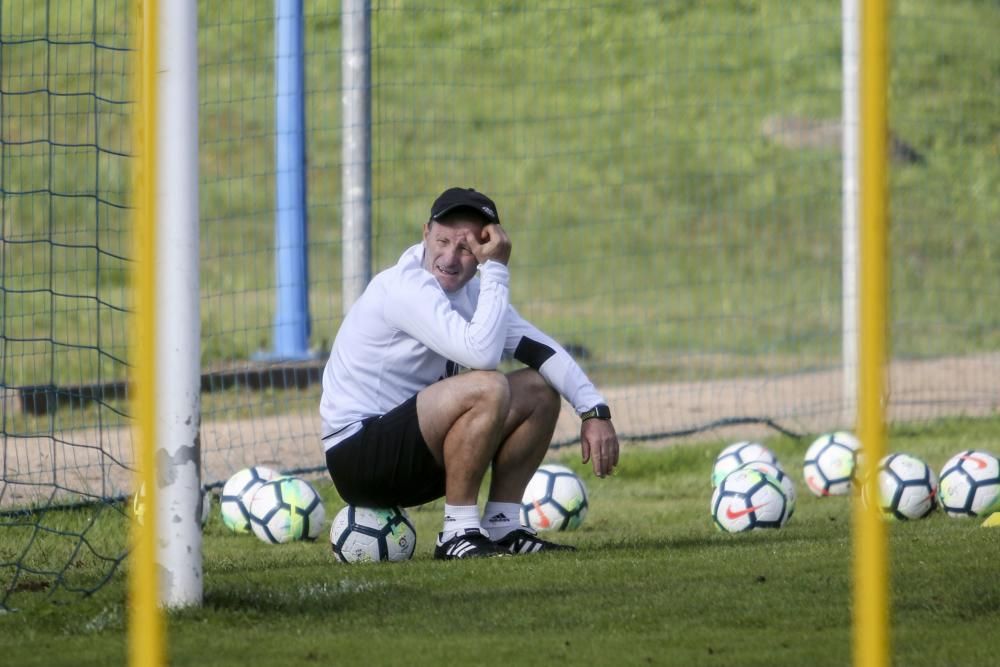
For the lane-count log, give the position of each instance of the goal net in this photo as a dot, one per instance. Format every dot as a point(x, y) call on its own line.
point(65, 139)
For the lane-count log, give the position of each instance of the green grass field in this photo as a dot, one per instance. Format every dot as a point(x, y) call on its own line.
point(652, 222)
point(622, 142)
point(653, 582)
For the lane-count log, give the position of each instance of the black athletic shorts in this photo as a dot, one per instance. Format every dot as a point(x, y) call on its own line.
point(386, 463)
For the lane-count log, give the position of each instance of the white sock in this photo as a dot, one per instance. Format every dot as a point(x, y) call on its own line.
point(457, 518)
point(501, 518)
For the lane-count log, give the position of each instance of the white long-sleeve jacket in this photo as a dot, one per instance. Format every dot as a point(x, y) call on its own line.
point(405, 332)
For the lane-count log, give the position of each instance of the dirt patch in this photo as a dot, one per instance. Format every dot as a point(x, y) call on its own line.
point(72, 466)
point(826, 133)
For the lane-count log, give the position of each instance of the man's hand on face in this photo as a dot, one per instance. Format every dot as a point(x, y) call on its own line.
point(493, 243)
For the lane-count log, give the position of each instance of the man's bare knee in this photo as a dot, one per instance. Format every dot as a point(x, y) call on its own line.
point(532, 400)
point(473, 395)
point(531, 386)
point(548, 398)
point(488, 388)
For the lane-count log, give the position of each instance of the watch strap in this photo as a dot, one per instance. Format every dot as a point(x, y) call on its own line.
point(599, 411)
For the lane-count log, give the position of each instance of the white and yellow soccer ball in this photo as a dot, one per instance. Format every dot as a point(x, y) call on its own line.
point(907, 487)
point(286, 509)
point(555, 499)
point(237, 493)
point(737, 454)
point(139, 505)
point(747, 499)
point(364, 534)
point(970, 484)
point(787, 485)
point(831, 464)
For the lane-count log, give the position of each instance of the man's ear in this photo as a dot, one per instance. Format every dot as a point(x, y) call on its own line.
point(427, 229)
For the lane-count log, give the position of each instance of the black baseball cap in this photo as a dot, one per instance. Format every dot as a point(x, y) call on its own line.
point(456, 198)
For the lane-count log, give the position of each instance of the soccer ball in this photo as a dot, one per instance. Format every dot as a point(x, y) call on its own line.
point(286, 509)
point(907, 487)
point(970, 484)
point(364, 534)
point(555, 499)
point(139, 505)
point(831, 463)
point(737, 454)
point(747, 499)
point(237, 494)
point(787, 485)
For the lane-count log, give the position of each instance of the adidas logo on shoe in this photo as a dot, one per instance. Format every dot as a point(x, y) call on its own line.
point(526, 541)
point(471, 543)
